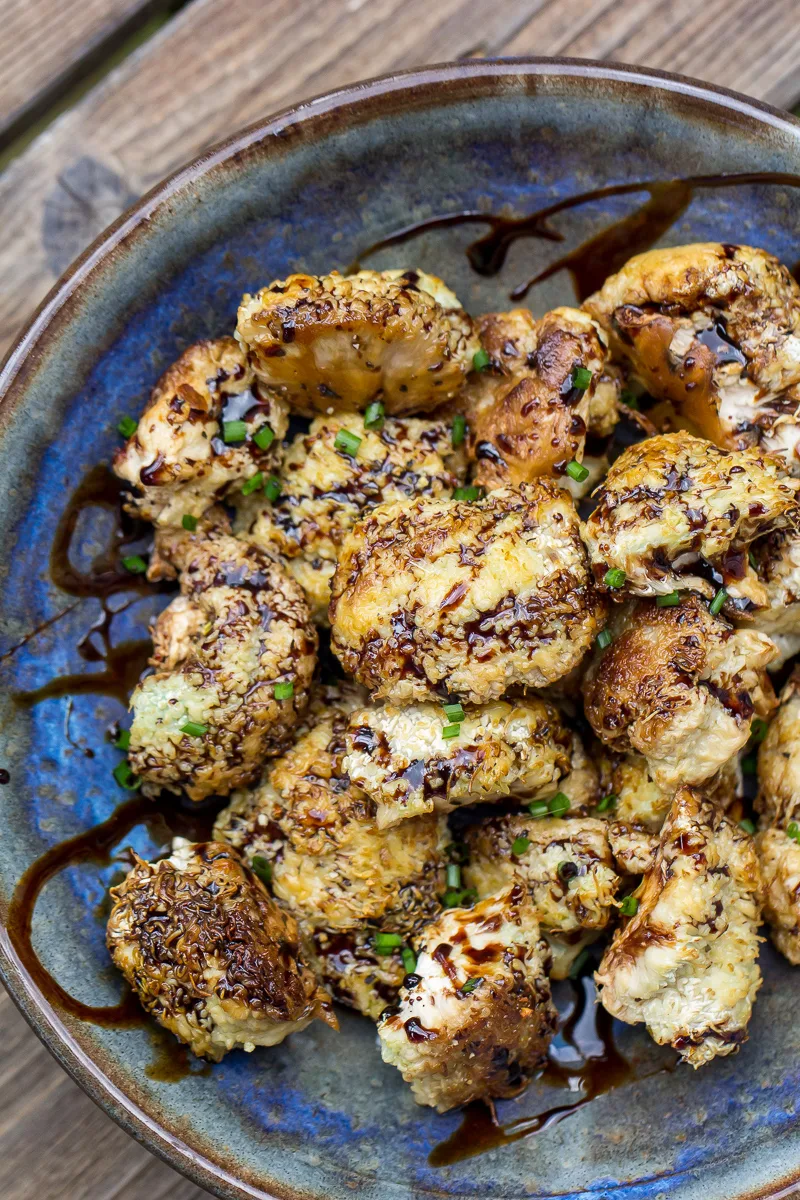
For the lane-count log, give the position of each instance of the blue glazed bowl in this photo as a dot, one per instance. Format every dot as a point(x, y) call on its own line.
point(321, 1116)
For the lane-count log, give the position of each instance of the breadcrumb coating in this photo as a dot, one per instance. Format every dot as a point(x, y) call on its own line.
point(325, 489)
point(464, 598)
point(566, 866)
point(400, 757)
point(332, 342)
point(679, 686)
point(527, 415)
point(210, 956)
point(686, 964)
point(778, 800)
point(715, 330)
point(178, 460)
point(475, 1018)
point(676, 512)
point(207, 717)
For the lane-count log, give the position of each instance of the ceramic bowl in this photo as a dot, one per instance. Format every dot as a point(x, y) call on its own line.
point(322, 1116)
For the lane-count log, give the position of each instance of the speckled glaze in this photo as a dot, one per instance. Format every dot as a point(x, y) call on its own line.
point(321, 1116)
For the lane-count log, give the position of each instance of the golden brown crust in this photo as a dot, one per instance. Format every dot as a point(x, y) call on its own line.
point(469, 598)
point(177, 460)
point(677, 513)
point(240, 627)
point(209, 955)
point(714, 329)
point(332, 342)
point(679, 686)
point(325, 490)
point(526, 415)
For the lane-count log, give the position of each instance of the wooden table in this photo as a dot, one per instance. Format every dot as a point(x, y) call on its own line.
point(101, 98)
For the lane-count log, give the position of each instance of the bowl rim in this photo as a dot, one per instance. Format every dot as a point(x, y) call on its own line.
point(361, 101)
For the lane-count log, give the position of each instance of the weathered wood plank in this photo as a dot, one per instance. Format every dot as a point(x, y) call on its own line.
point(44, 42)
point(54, 1142)
point(752, 48)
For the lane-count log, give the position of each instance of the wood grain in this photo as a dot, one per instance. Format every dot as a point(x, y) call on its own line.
point(43, 42)
point(221, 64)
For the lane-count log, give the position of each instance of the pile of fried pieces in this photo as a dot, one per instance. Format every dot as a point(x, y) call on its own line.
point(555, 559)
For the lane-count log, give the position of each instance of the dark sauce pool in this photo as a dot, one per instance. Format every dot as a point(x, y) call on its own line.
point(584, 1060)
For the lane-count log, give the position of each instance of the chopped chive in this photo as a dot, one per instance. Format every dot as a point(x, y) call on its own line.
point(409, 960)
point(747, 825)
point(189, 522)
point(470, 985)
point(264, 437)
point(262, 868)
point(454, 712)
point(520, 845)
point(375, 415)
point(716, 604)
point(668, 601)
point(749, 765)
point(125, 777)
point(194, 729)
point(347, 442)
point(615, 577)
point(451, 731)
point(453, 876)
point(559, 804)
point(272, 488)
point(123, 742)
point(629, 906)
point(629, 398)
point(793, 831)
point(283, 691)
point(127, 427)
point(567, 870)
point(459, 899)
point(577, 471)
point(480, 360)
point(608, 803)
point(758, 730)
point(579, 964)
point(250, 485)
point(581, 378)
point(386, 943)
point(233, 431)
point(459, 430)
point(604, 639)
point(751, 558)
point(538, 808)
point(135, 564)
point(468, 493)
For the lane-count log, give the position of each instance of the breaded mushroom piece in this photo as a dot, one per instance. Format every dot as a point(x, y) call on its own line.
point(179, 460)
point(403, 760)
point(314, 832)
point(209, 954)
point(679, 686)
point(677, 513)
point(778, 803)
point(715, 330)
point(638, 800)
point(547, 384)
point(686, 964)
point(327, 486)
point(208, 715)
point(776, 560)
point(566, 866)
point(450, 597)
point(333, 342)
point(476, 1017)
